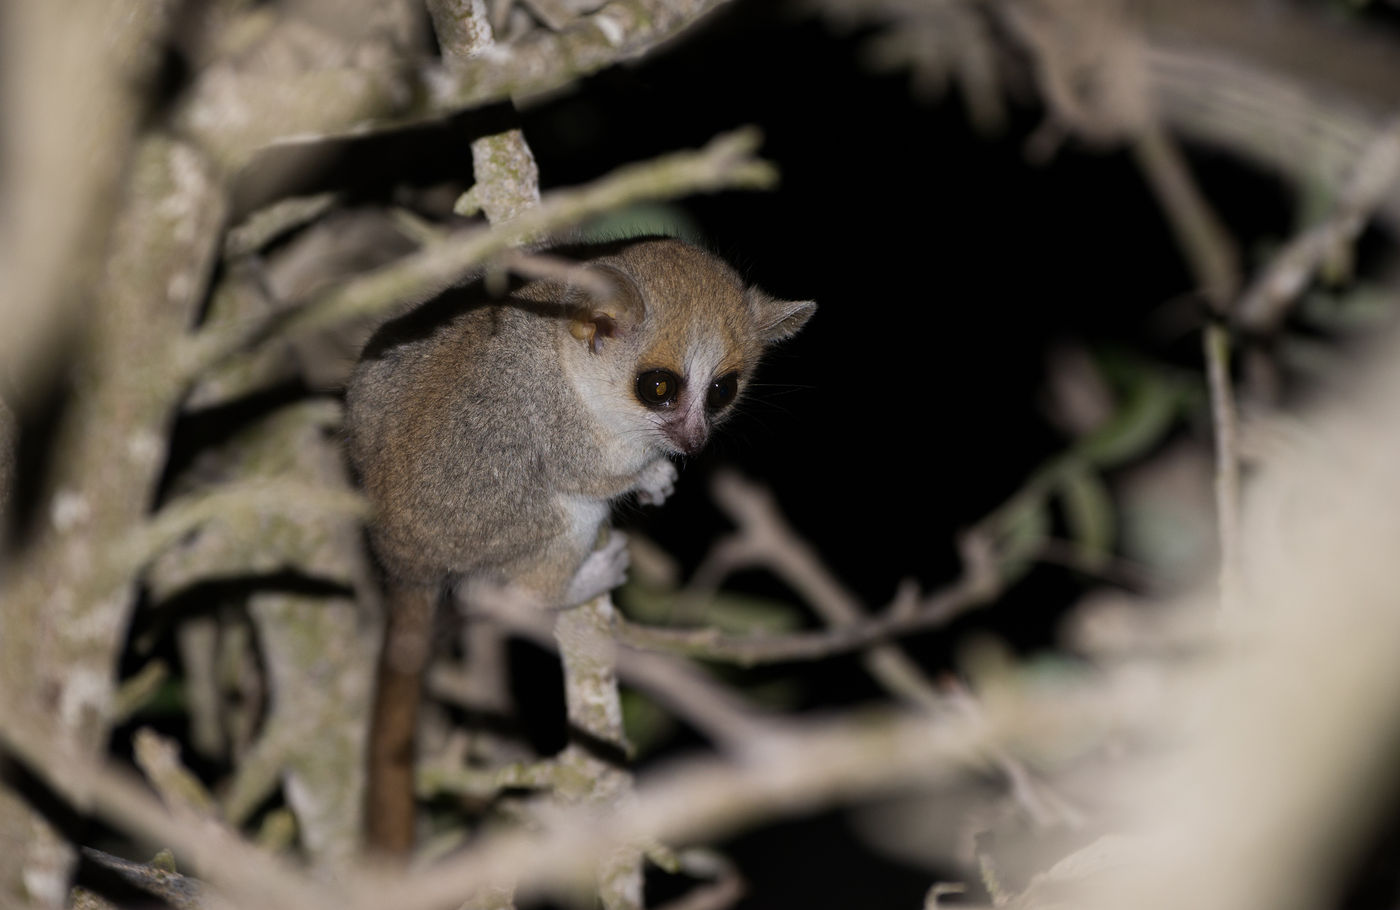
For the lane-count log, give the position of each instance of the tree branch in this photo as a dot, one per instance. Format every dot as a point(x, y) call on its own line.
point(725, 163)
point(546, 60)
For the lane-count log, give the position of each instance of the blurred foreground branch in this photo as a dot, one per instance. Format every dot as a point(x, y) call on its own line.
point(725, 163)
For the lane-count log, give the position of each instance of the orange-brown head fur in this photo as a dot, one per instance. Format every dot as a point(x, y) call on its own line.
point(682, 314)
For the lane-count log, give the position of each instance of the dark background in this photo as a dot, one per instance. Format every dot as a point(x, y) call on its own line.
point(944, 266)
point(943, 263)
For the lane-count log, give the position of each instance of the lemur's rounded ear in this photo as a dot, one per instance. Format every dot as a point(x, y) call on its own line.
point(607, 311)
point(778, 319)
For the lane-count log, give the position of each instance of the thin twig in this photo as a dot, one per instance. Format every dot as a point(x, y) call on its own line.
point(266, 224)
point(724, 887)
point(557, 268)
point(137, 690)
point(980, 583)
point(1265, 302)
point(767, 537)
point(933, 611)
point(700, 701)
point(1216, 342)
point(159, 759)
point(1210, 252)
point(727, 162)
point(1214, 261)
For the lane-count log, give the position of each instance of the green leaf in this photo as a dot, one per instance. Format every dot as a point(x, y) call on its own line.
point(1090, 514)
point(647, 723)
point(1022, 534)
point(1140, 422)
point(1363, 308)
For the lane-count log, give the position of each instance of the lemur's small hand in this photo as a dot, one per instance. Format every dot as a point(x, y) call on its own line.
point(656, 482)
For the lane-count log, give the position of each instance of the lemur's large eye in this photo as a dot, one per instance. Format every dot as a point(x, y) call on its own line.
point(658, 388)
point(722, 392)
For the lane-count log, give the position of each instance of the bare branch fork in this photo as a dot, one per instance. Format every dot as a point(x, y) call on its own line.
point(763, 538)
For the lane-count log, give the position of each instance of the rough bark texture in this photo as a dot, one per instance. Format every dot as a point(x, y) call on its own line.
point(66, 610)
point(595, 710)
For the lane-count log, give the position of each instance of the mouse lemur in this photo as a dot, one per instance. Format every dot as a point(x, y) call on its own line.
point(492, 435)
